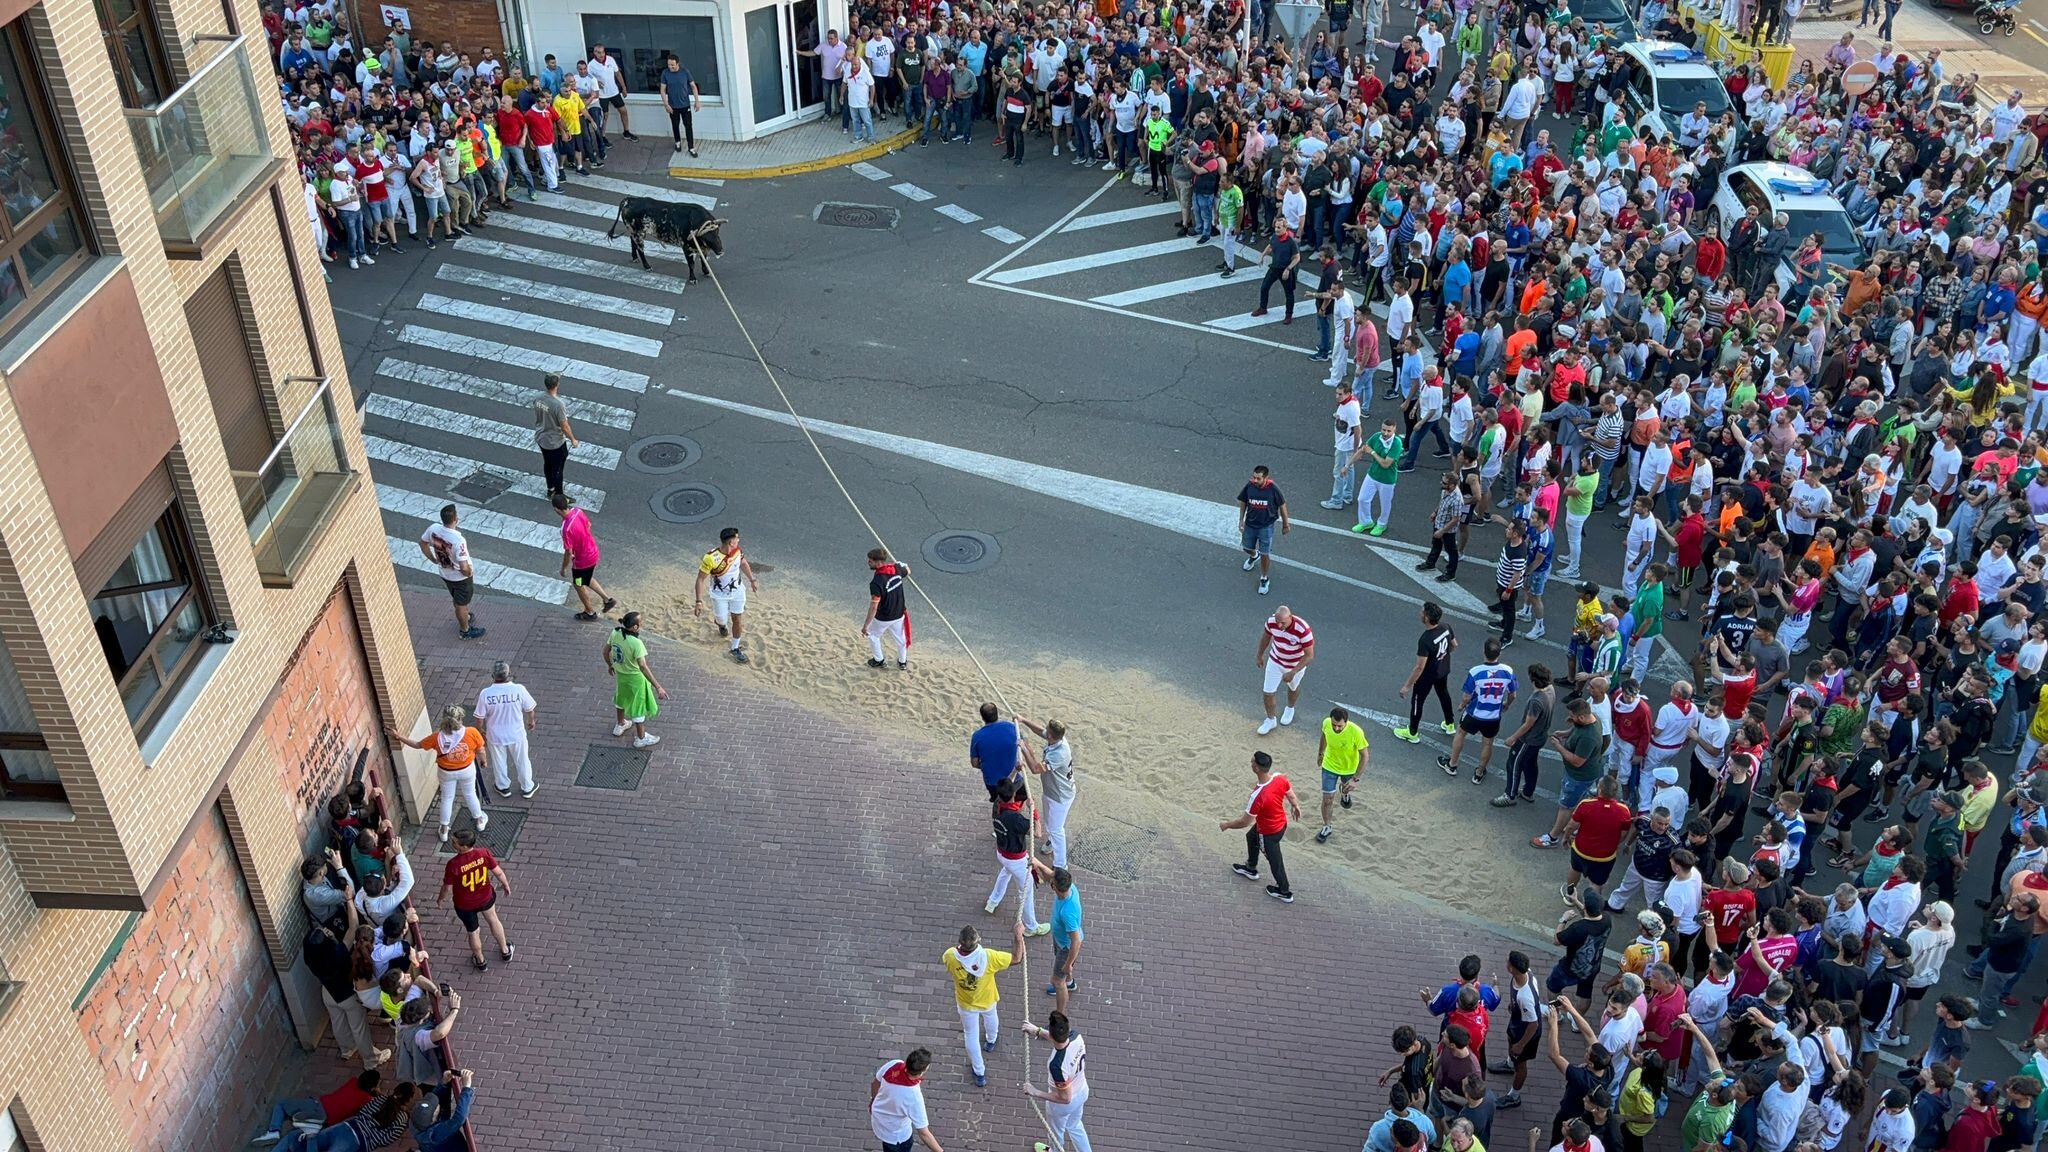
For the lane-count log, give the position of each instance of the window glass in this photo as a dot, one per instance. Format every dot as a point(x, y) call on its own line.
point(41, 234)
point(643, 42)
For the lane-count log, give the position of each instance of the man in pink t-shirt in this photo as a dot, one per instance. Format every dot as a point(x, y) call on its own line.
point(579, 557)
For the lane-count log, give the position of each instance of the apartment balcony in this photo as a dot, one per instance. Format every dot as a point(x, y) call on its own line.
point(205, 150)
point(290, 500)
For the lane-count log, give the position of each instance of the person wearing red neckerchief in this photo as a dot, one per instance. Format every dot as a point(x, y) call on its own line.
point(896, 1109)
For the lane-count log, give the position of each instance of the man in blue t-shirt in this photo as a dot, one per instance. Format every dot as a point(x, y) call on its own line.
point(1066, 929)
point(1489, 689)
point(994, 750)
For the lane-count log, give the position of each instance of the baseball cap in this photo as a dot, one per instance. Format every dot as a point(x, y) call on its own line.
point(424, 1112)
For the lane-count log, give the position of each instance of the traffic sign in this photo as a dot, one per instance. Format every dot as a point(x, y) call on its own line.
point(1859, 78)
point(1297, 18)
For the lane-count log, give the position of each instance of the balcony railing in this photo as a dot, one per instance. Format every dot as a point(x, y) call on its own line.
point(204, 149)
point(288, 501)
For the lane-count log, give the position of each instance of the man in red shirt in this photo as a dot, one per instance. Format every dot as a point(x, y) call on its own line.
point(511, 125)
point(326, 1111)
point(540, 134)
point(1597, 827)
point(1729, 907)
point(1265, 822)
point(1690, 544)
point(469, 876)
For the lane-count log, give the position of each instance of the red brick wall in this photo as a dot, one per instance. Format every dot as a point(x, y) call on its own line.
point(189, 1021)
point(325, 716)
point(470, 24)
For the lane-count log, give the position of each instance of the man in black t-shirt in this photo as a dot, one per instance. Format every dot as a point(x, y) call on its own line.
point(1259, 507)
point(887, 613)
point(1432, 672)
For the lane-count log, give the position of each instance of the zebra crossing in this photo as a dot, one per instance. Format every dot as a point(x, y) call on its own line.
point(448, 417)
point(1110, 255)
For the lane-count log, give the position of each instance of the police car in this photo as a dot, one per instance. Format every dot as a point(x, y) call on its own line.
point(1668, 83)
point(1773, 187)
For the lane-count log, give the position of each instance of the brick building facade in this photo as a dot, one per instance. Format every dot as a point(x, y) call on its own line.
point(200, 629)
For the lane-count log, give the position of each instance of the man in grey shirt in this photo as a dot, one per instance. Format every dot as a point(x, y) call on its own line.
point(551, 431)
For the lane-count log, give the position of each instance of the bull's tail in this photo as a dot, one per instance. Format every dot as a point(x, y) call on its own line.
point(617, 221)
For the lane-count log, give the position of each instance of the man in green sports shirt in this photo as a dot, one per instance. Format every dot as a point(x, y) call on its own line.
point(1383, 451)
point(1229, 208)
point(1578, 506)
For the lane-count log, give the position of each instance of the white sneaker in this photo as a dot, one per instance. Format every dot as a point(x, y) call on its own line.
point(647, 741)
point(367, 259)
point(1039, 930)
point(1268, 726)
point(1287, 716)
point(620, 729)
point(268, 1138)
point(1055, 149)
point(444, 833)
point(354, 263)
point(989, 908)
point(483, 821)
point(1536, 633)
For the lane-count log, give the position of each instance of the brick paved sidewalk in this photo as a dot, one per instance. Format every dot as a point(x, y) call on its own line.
point(721, 958)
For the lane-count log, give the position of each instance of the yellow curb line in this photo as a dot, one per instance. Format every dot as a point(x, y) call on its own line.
point(838, 160)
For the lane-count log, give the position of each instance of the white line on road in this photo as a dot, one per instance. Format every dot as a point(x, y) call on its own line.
point(1002, 234)
point(483, 521)
point(1168, 320)
point(1171, 288)
point(1205, 520)
point(956, 212)
point(433, 419)
point(1005, 258)
point(521, 288)
point(1239, 321)
point(870, 171)
point(457, 467)
point(574, 265)
point(1120, 216)
point(703, 180)
point(588, 237)
point(522, 357)
point(1089, 262)
point(636, 188)
point(912, 191)
point(532, 585)
point(462, 383)
point(550, 326)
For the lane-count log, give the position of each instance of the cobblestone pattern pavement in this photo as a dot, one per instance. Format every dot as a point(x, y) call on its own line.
point(722, 958)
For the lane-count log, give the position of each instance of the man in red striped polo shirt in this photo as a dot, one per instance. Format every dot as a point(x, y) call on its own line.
point(1286, 646)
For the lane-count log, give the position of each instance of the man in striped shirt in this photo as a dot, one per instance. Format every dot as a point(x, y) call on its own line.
point(1286, 646)
point(1509, 575)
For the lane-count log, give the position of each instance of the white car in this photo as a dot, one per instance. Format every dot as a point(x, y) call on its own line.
point(1773, 187)
point(1669, 81)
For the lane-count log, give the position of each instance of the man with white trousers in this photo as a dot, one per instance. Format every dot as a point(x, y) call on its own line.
point(507, 711)
point(974, 968)
point(1055, 772)
point(1013, 853)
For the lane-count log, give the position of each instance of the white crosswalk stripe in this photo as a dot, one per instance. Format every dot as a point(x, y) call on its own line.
point(522, 288)
point(464, 384)
point(479, 428)
point(1089, 262)
point(553, 327)
point(498, 314)
point(534, 258)
point(1119, 216)
point(492, 350)
point(956, 212)
point(528, 484)
point(531, 585)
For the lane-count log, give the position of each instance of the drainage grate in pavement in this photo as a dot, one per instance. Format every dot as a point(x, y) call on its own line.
point(660, 455)
point(480, 487)
point(1113, 848)
point(612, 766)
point(690, 503)
point(961, 552)
point(501, 837)
point(842, 215)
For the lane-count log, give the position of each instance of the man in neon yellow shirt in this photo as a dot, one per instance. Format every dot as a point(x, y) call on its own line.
point(1342, 750)
point(973, 968)
point(575, 142)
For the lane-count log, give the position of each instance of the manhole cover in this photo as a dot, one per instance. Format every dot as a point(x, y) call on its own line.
point(961, 552)
point(856, 216)
point(480, 487)
point(612, 766)
point(501, 837)
point(660, 455)
point(687, 503)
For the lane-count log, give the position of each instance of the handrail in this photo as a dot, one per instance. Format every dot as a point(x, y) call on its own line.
point(232, 50)
point(284, 441)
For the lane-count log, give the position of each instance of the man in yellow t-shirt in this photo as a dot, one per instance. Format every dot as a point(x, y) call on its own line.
point(576, 144)
point(1980, 792)
point(974, 969)
point(726, 573)
point(1342, 752)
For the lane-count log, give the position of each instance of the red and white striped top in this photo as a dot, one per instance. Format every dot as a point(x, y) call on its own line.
point(1290, 644)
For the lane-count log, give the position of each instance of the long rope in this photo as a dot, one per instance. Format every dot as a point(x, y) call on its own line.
point(1031, 805)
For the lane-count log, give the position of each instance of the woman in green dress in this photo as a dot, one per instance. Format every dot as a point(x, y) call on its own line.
point(635, 692)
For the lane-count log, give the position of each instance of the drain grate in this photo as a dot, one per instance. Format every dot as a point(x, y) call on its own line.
point(480, 487)
point(660, 455)
point(840, 215)
point(1114, 847)
point(501, 837)
point(613, 767)
point(961, 552)
point(691, 503)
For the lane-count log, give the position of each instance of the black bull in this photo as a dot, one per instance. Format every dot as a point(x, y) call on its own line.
point(690, 227)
